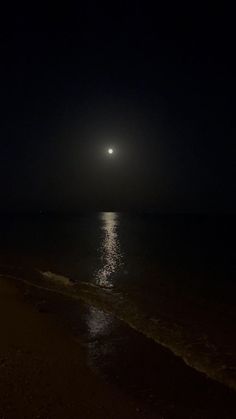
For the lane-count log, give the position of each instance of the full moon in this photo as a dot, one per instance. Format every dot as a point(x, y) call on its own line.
point(110, 151)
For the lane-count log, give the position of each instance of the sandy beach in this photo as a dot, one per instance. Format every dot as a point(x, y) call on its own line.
point(45, 371)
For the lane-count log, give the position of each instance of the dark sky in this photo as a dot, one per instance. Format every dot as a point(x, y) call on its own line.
point(157, 84)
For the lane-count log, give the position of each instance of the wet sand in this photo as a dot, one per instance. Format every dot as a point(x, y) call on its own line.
point(46, 371)
point(43, 373)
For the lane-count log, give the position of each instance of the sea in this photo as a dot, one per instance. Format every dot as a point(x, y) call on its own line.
point(171, 278)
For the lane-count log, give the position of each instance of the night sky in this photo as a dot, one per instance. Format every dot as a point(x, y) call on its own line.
point(157, 84)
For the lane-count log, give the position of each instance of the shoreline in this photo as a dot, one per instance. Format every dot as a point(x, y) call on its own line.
point(30, 358)
point(206, 362)
point(43, 370)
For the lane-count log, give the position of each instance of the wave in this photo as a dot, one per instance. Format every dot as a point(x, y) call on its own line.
point(196, 351)
point(60, 279)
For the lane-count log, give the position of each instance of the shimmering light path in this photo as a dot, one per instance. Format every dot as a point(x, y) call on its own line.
point(109, 250)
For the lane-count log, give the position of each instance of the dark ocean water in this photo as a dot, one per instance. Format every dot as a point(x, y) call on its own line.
point(171, 277)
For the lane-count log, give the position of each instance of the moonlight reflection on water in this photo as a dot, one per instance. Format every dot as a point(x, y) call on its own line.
point(109, 250)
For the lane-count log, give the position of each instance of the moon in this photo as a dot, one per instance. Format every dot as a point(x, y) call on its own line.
point(110, 151)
